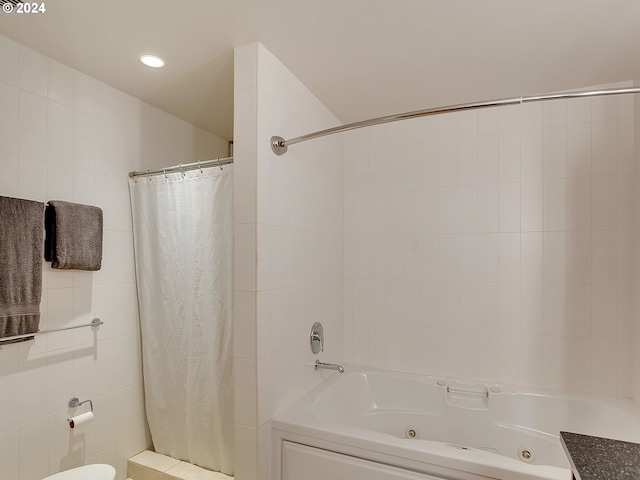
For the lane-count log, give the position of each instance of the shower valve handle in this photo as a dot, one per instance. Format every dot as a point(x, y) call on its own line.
point(316, 338)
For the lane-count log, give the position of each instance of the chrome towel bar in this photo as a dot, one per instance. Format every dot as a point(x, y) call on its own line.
point(94, 323)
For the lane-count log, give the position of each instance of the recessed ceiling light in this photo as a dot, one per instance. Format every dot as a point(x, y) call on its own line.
point(152, 61)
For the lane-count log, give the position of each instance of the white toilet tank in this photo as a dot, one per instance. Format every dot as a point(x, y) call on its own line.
point(98, 471)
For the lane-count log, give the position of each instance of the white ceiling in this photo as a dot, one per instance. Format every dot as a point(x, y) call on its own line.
point(362, 58)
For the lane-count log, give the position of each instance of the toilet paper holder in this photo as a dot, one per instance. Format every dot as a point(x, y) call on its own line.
point(79, 419)
point(75, 402)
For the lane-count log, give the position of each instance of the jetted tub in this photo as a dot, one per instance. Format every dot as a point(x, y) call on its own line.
point(383, 425)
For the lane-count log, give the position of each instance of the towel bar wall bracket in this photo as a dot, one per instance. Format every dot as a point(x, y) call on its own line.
point(94, 323)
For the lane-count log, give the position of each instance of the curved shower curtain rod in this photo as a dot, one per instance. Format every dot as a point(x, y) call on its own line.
point(279, 145)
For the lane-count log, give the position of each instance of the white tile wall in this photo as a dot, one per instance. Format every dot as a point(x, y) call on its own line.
point(631, 295)
point(288, 249)
point(64, 135)
point(501, 238)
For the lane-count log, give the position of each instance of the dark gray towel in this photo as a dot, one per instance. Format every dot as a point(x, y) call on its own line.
point(74, 236)
point(21, 233)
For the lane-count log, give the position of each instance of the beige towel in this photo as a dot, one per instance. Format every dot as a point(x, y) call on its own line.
point(74, 236)
point(21, 234)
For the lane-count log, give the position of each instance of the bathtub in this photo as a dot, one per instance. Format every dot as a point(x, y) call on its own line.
point(373, 424)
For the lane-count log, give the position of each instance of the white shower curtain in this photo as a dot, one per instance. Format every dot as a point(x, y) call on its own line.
point(183, 233)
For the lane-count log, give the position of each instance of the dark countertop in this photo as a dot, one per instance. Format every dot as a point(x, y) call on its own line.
point(597, 458)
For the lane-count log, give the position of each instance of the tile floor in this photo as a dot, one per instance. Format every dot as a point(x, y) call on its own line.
point(149, 465)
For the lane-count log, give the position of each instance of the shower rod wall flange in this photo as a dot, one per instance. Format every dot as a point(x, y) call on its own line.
point(279, 145)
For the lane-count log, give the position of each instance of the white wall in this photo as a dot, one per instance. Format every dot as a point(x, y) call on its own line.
point(495, 245)
point(636, 261)
point(288, 249)
point(66, 136)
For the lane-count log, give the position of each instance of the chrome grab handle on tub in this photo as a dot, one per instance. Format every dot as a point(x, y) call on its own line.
point(468, 392)
point(328, 366)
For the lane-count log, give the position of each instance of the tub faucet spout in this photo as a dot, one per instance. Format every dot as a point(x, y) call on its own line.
point(329, 366)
